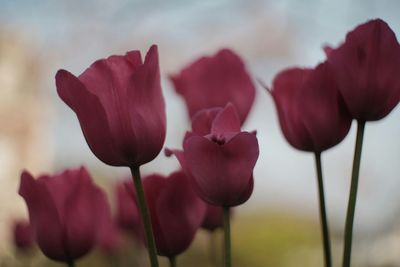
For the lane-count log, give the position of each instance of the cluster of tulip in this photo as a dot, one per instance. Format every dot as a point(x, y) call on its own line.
point(121, 110)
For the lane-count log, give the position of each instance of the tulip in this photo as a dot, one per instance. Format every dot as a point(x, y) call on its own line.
point(366, 68)
point(176, 212)
point(313, 118)
point(213, 218)
point(127, 213)
point(67, 213)
point(23, 237)
point(219, 160)
point(121, 110)
point(214, 82)
point(311, 112)
point(120, 107)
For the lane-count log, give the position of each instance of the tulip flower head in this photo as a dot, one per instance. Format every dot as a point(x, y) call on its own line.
point(311, 111)
point(214, 82)
point(176, 212)
point(220, 163)
point(120, 107)
point(366, 67)
point(67, 212)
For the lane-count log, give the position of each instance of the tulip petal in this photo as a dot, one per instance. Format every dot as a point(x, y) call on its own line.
point(181, 211)
point(91, 115)
point(214, 82)
point(366, 68)
point(83, 203)
point(222, 172)
point(202, 120)
point(44, 217)
point(226, 121)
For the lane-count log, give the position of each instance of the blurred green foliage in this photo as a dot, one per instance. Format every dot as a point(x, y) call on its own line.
point(259, 240)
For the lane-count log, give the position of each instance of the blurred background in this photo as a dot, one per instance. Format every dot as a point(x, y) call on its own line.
point(279, 225)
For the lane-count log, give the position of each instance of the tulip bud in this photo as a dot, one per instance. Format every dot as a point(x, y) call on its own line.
point(311, 111)
point(67, 212)
point(366, 67)
point(176, 212)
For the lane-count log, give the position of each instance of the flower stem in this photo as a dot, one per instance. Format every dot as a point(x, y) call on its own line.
point(348, 234)
point(227, 237)
point(322, 211)
point(71, 263)
point(172, 261)
point(144, 213)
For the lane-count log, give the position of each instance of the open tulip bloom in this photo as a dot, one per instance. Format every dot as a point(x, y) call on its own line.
point(220, 158)
point(121, 110)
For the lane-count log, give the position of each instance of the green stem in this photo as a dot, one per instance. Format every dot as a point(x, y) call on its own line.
point(348, 234)
point(227, 237)
point(172, 261)
point(145, 215)
point(322, 211)
point(71, 263)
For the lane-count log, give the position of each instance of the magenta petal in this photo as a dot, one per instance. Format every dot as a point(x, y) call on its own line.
point(202, 120)
point(222, 173)
point(80, 233)
point(214, 82)
point(226, 121)
point(366, 68)
point(44, 217)
point(91, 115)
point(181, 212)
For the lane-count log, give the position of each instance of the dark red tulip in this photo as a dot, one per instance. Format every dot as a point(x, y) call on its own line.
point(176, 211)
point(110, 239)
point(23, 237)
point(214, 82)
point(213, 218)
point(120, 107)
point(127, 214)
point(366, 67)
point(311, 112)
point(67, 212)
point(221, 163)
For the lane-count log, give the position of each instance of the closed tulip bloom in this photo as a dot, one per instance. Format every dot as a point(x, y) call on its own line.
point(214, 82)
point(176, 212)
point(127, 214)
point(213, 218)
point(366, 67)
point(67, 212)
point(23, 237)
point(120, 107)
point(221, 163)
point(311, 111)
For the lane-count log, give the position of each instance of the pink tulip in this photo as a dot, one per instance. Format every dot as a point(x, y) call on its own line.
point(67, 212)
point(176, 212)
point(311, 111)
point(220, 163)
point(214, 82)
point(120, 107)
point(366, 67)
